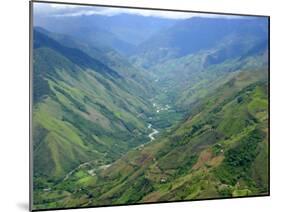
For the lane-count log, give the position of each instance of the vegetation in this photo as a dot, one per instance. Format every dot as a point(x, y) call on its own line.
point(161, 124)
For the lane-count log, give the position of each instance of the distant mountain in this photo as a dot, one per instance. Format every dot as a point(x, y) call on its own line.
point(197, 34)
point(134, 29)
point(188, 78)
point(121, 32)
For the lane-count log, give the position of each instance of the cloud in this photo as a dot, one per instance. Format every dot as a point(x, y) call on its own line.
point(64, 10)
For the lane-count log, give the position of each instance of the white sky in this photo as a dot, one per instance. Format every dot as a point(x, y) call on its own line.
point(64, 10)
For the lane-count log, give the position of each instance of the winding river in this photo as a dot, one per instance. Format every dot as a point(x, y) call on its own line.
point(154, 132)
point(92, 171)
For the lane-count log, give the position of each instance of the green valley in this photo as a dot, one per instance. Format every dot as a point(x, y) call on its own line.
point(166, 116)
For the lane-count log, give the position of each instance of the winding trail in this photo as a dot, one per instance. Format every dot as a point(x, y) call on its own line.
point(75, 169)
point(91, 172)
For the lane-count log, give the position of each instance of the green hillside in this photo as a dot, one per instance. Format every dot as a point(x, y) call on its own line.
point(182, 116)
point(80, 114)
point(141, 79)
point(217, 151)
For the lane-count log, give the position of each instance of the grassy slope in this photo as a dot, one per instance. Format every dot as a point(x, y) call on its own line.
point(215, 152)
point(81, 116)
point(140, 80)
point(198, 159)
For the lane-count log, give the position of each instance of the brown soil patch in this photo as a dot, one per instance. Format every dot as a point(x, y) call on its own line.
point(143, 159)
point(204, 157)
point(216, 161)
point(152, 197)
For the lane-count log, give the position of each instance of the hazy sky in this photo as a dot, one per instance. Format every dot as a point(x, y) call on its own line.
point(45, 9)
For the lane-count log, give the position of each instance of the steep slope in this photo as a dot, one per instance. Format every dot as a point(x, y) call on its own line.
point(212, 154)
point(219, 150)
point(141, 84)
point(83, 111)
